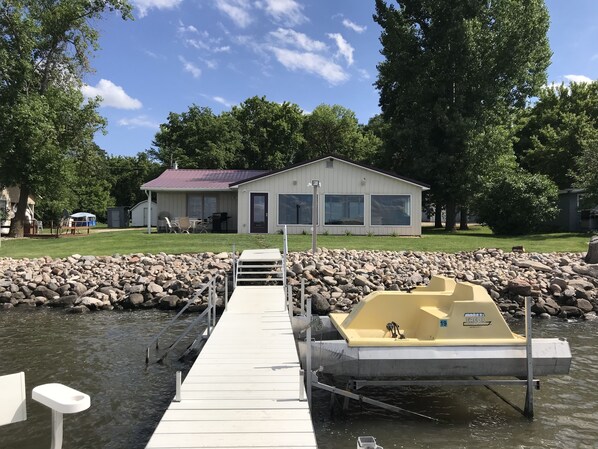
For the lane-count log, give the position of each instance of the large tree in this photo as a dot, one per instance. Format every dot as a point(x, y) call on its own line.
point(335, 130)
point(556, 129)
point(198, 138)
point(45, 47)
point(272, 133)
point(127, 174)
point(450, 71)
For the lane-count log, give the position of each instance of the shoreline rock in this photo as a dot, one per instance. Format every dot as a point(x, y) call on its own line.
point(560, 284)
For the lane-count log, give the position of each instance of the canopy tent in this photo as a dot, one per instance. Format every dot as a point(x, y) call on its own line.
point(83, 219)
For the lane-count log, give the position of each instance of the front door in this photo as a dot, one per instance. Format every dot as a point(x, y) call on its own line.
point(258, 211)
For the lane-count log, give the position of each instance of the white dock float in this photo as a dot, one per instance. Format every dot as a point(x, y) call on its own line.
point(243, 389)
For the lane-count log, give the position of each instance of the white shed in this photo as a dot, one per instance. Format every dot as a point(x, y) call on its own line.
point(139, 214)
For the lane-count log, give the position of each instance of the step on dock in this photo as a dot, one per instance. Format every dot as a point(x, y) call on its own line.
point(243, 389)
point(260, 267)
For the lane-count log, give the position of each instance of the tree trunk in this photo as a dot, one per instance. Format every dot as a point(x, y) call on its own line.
point(592, 255)
point(463, 222)
point(438, 216)
point(17, 224)
point(451, 213)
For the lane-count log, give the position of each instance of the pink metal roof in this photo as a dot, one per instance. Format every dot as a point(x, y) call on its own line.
point(184, 179)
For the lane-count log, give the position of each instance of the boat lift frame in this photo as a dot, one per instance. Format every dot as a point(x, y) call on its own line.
point(356, 384)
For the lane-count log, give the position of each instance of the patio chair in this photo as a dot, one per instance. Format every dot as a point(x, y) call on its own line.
point(184, 224)
point(201, 226)
point(172, 227)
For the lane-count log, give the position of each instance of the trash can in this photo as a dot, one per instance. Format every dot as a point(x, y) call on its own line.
point(220, 222)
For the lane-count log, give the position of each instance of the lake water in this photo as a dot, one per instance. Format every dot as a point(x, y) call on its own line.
point(102, 354)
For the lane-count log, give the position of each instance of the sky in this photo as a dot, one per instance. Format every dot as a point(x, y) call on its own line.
point(218, 53)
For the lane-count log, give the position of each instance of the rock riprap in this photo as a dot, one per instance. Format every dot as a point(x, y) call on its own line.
point(559, 283)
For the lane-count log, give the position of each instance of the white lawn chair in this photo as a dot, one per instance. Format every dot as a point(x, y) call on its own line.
point(172, 227)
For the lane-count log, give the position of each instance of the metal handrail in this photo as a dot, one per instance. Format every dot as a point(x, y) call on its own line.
point(211, 284)
point(285, 250)
point(201, 317)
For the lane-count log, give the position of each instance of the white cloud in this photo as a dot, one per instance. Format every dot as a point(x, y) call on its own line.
point(182, 28)
point(363, 74)
point(344, 48)
point(145, 5)
point(207, 43)
point(222, 101)
point(190, 67)
point(210, 63)
point(311, 63)
point(141, 121)
point(112, 95)
point(236, 10)
point(283, 11)
point(353, 26)
point(299, 40)
point(578, 78)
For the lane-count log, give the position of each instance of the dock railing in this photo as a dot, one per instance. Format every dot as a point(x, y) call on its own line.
point(209, 313)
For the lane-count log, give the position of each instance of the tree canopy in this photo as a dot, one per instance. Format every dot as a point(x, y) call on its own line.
point(198, 138)
point(44, 50)
point(335, 130)
point(451, 71)
point(261, 134)
point(557, 129)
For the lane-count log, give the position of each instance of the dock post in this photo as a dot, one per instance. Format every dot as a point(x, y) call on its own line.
point(302, 296)
point(302, 385)
point(290, 300)
point(234, 267)
point(226, 292)
point(177, 397)
point(209, 310)
point(529, 394)
point(308, 351)
point(214, 301)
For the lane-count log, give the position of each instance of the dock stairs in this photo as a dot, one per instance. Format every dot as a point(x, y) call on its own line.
point(260, 267)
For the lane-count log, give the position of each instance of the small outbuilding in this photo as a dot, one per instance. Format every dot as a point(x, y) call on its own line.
point(139, 214)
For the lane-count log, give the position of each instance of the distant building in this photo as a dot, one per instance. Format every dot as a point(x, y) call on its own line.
point(139, 214)
point(573, 216)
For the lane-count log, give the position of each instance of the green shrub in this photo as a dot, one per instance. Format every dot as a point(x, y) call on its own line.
point(517, 202)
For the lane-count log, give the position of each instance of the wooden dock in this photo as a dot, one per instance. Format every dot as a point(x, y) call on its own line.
point(243, 389)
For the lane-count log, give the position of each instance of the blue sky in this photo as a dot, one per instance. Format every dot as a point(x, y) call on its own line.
point(218, 53)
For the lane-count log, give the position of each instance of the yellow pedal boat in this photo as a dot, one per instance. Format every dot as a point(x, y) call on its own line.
point(444, 329)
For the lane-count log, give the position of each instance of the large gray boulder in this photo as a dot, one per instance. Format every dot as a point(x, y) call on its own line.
point(592, 254)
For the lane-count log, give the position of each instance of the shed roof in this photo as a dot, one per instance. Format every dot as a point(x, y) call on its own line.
point(189, 179)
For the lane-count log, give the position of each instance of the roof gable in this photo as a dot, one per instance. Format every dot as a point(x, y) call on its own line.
point(422, 185)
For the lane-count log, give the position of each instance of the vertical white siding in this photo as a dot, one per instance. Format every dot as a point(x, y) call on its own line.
point(342, 178)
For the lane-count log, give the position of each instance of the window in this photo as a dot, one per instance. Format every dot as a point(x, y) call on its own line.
point(201, 206)
point(344, 209)
point(391, 210)
point(294, 209)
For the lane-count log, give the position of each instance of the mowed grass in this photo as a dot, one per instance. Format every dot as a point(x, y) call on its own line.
point(138, 241)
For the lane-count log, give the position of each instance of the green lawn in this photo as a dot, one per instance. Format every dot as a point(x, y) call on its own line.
point(137, 241)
